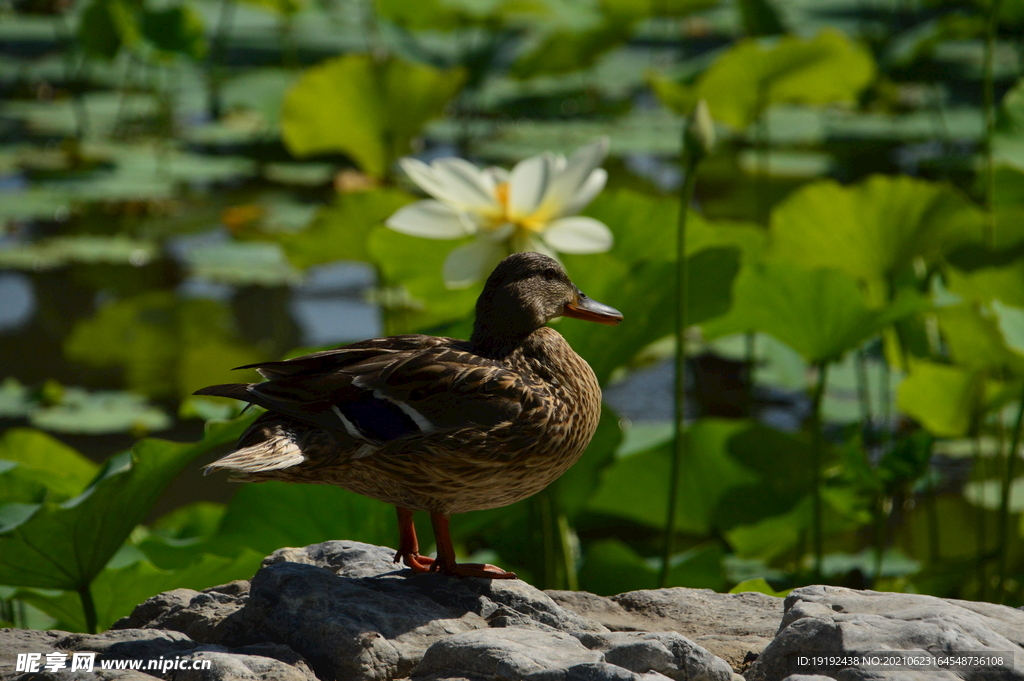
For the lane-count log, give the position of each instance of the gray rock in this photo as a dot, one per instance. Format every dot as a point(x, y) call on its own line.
point(506, 654)
point(205, 616)
point(668, 653)
point(735, 627)
point(377, 621)
point(345, 611)
point(238, 665)
point(827, 620)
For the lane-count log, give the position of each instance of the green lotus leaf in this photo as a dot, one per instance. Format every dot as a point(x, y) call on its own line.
point(268, 515)
point(946, 399)
point(45, 460)
point(822, 314)
point(750, 76)
point(65, 546)
point(636, 487)
point(340, 231)
point(370, 111)
point(117, 591)
point(611, 567)
point(873, 229)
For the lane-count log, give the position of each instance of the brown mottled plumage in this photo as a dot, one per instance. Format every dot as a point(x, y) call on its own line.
point(435, 424)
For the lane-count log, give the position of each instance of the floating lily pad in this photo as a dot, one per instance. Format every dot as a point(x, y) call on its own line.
point(243, 263)
point(108, 411)
point(60, 251)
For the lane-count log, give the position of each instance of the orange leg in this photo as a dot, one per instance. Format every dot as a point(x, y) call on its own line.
point(445, 562)
point(409, 546)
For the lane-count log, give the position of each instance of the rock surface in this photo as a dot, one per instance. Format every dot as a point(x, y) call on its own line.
point(838, 622)
point(735, 627)
point(341, 611)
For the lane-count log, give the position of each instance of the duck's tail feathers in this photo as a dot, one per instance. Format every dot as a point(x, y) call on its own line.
point(264, 447)
point(238, 391)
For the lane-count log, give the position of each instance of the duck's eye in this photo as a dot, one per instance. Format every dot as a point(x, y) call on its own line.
point(550, 274)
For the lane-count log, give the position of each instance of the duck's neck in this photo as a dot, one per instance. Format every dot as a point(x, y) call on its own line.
point(499, 338)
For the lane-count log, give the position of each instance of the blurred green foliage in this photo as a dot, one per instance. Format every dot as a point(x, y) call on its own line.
point(173, 177)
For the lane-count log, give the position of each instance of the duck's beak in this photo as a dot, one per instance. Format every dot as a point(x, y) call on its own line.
point(591, 310)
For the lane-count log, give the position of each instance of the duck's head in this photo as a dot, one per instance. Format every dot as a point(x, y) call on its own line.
point(526, 291)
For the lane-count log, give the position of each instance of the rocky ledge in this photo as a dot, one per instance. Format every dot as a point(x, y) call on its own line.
point(342, 611)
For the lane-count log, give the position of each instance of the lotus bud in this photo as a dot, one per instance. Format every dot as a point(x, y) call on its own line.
point(700, 132)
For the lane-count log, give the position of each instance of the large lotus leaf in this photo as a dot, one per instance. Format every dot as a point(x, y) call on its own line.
point(873, 229)
point(116, 591)
point(269, 515)
point(165, 345)
point(182, 536)
point(822, 314)
point(415, 265)
point(781, 462)
point(636, 487)
point(645, 296)
point(946, 399)
point(45, 460)
point(370, 111)
point(340, 230)
point(750, 76)
point(65, 546)
point(645, 229)
point(1004, 283)
point(611, 567)
point(578, 483)
point(777, 535)
point(976, 340)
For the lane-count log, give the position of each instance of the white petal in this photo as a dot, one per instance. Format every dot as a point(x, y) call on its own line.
point(498, 175)
point(423, 175)
point(500, 233)
point(471, 262)
point(586, 193)
point(578, 234)
point(466, 183)
point(528, 184)
point(528, 242)
point(429, 219)
point(577, 171)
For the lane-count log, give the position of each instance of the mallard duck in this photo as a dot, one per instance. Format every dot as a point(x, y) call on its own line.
point(435, 424)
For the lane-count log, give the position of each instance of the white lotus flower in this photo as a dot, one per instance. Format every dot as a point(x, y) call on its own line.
point(533, 208)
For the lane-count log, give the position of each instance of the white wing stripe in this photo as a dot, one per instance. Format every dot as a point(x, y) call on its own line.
point(419, 419)
point(350, 427)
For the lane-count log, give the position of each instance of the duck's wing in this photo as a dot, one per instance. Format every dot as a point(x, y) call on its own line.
point(382, 390)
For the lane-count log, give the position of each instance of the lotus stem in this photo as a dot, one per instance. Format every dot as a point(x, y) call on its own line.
point(1005, 535)
point(89, 608)
point(218, 58)
point(988, 106)
point(980, 530)
point(679, 424)
point(816, 459)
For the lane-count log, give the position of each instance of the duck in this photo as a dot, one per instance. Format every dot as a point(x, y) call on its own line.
point(433, 424)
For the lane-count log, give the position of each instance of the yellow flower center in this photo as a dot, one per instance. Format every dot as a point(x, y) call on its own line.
point(532, 223)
